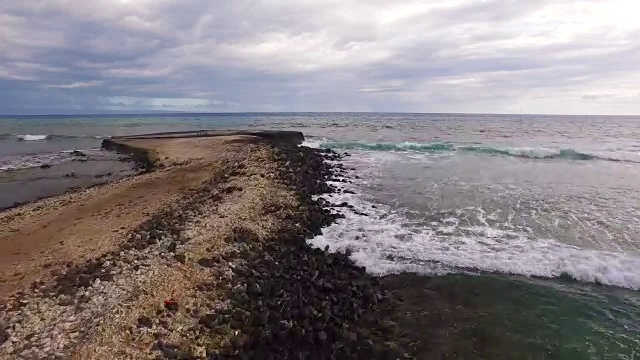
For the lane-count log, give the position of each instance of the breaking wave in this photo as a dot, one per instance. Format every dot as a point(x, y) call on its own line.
point(386, 242)
point(25, 161)
point(436, 147)
point(43, 137)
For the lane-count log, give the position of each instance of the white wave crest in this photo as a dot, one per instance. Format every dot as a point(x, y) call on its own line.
point(313, 143)
point(29, 137)
point(385, 243)
point(25, 161)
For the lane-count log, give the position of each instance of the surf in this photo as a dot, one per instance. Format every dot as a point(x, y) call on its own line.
point(478, 149)
point(45, 137)
point(385, 242)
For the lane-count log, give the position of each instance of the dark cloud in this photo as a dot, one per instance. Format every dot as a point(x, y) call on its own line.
point(319, 55)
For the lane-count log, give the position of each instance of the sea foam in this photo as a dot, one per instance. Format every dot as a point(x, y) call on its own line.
point(29, 137)
point(387, 242)
point(540, 153)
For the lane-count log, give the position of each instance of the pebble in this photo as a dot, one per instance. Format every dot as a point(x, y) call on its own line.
point(198, 351)
point(145, 321)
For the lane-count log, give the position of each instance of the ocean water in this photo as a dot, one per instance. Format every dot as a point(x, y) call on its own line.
point(537, 216)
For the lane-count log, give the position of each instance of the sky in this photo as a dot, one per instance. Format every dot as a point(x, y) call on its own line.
point(474, 56)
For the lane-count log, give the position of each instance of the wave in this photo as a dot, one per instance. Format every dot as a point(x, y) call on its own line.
point(25, 161)
point(437, 147)
point(527, 153)
point(31, 160)
point(386, 243)
point(43, 137)
point(405, 146)
point(29, 137)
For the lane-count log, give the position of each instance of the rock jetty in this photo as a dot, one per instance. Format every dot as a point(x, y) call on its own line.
point(204, 256)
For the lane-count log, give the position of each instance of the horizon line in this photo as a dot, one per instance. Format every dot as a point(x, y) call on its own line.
point(160, 112)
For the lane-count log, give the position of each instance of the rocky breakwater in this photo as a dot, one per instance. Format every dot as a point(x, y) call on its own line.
point(225, 271)
point(289, 300)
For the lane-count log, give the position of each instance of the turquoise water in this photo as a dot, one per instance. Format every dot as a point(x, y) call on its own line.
point(549, 320)
point(534, 219)
point(541, 153)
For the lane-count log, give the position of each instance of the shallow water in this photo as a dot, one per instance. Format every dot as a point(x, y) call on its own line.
point(542, 211)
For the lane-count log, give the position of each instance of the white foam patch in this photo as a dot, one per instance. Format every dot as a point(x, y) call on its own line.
point(15, 162)
point(387, 242)
point(29, 137)
point(313, 142)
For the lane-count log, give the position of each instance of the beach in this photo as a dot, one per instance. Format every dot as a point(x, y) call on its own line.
point(407, 236)
point(203, 254)
point(319, 180)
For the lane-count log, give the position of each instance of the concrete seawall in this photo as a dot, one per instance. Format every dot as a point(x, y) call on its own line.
point(295, 137)
point(147, 159)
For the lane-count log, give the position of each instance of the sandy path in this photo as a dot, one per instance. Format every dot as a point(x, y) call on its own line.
point(42, 237)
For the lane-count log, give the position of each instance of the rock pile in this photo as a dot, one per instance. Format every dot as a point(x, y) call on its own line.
point(267, 294)
point(292, 301)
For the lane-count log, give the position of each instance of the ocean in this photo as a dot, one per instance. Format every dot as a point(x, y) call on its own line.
point(536, 217)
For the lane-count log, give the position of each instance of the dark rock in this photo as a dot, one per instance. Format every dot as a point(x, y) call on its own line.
point(207, 262)
point(322, 336)
point(209, 321)
point(45, 166)
point(78, 153)
point(84, 281)
point(145, 322)
point(172, 351)
point(106, 277)
point(181, 258)
point(172, 246)
point(66, 301)
point(4, 335)
point(171, 305)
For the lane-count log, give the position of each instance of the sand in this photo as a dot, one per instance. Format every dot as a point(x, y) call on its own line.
point(46, 235)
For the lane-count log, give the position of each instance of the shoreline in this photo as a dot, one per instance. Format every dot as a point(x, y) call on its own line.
point(205, 255)
point(210, 269)
point(81, 170)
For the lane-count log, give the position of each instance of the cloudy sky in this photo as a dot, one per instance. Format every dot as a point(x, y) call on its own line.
point(496, 56)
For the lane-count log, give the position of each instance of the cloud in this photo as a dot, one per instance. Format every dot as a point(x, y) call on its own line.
point(320, 55)
point(74, 85)
point(596, 96)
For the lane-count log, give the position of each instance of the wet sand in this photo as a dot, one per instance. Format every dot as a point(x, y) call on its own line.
point(26, 185)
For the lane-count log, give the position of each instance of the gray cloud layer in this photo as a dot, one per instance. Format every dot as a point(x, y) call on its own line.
point(564, 56)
